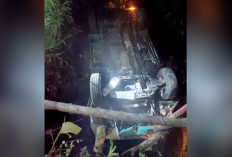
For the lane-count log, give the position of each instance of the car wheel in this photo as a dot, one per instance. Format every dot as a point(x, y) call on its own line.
point(168, 77)
point(95, 89)
point(96, 98)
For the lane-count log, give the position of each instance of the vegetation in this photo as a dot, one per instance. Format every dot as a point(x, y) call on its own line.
point(61, 79)
point(57, 19)
point(112, 150)
point(64, 149)
point(84, 152)
point(60, 74)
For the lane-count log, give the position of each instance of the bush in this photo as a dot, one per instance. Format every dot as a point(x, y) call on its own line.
point(57, 19)
point(60, 74)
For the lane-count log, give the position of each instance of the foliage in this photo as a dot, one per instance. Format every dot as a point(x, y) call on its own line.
point(112, 149)
point(84, 152)
point(57, 19)
point(64, 149)
point(60, 74)
point(69, 127)
point(141, 154)
point(60, 78)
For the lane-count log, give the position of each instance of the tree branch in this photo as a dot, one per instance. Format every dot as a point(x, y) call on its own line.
point(157, 135)
point(109, 114)
point(146, 144)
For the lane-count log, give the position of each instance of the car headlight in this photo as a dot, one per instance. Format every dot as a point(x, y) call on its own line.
point(113, 82)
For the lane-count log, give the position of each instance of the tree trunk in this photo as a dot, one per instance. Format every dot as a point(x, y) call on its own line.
point(109, 114)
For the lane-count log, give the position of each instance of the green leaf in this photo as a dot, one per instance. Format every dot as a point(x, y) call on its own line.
point(141, 154)
point(69, 127)
point(112, 149)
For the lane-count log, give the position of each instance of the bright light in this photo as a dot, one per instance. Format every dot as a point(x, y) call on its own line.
point(113, 82)
point(136, 105)
point(131, 8)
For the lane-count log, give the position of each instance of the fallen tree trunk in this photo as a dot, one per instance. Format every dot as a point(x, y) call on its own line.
point(109, 114)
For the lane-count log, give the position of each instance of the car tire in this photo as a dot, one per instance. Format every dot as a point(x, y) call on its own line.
point(167, 76)
point(96, 98)
point(95, 89)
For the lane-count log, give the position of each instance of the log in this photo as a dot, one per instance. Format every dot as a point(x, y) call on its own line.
point(109, 114)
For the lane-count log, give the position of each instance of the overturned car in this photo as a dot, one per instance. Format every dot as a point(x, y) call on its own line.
point(128, 75)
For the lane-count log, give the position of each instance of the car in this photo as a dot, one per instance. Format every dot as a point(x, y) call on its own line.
point(127, 74)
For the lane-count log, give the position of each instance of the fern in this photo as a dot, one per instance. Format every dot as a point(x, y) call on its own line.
point(112, 149)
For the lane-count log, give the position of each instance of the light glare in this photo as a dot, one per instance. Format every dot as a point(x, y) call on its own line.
point(113, 82)
point(132, 8)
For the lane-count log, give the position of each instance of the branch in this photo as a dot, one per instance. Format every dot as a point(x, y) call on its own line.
point(157, 135)
point(147, 143)
point(109, 114)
